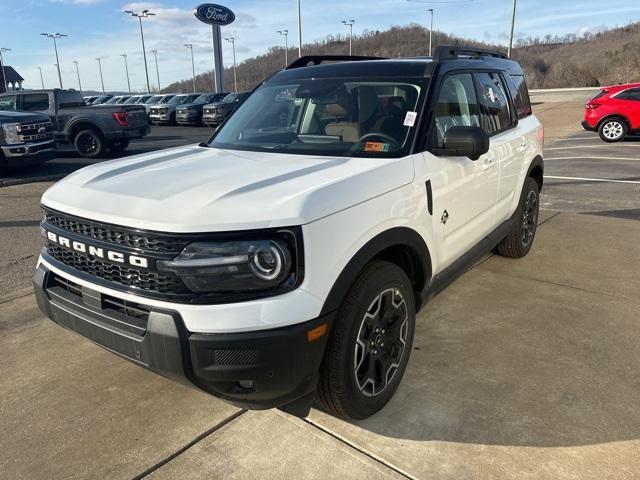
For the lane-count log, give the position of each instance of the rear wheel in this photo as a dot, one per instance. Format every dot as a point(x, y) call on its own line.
point(119, 145)
point(370, 343)
point(613, 129)
point(520, 239)
point(90, 143)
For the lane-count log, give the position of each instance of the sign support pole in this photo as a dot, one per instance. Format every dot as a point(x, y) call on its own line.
point(218, 68)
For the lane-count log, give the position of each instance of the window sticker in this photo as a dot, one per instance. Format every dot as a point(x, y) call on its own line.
point(410, 119)
point(376, 147)
point(492, 95)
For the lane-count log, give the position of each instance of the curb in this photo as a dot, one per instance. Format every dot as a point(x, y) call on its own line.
point(22, 181)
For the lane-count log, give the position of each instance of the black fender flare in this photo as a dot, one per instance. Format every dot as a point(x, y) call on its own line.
point(397, 236)
point(537, 162)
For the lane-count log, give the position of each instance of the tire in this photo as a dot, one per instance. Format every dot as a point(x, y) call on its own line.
point(613, 129)
point(4, 169)
point(118, 146)
point(347, 388)
point(520, 239)
point(172, 120)
point(90, 143)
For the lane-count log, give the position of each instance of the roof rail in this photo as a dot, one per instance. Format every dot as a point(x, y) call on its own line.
point(451, 52)
point(308, 60)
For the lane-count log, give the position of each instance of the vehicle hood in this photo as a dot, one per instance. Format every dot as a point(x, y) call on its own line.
point(200, 189)
point(19, 117)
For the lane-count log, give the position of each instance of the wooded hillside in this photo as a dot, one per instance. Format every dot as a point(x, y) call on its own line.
point(605, 58)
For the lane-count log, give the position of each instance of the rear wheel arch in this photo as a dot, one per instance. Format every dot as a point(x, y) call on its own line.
point(79, 126)
point(402, 246)
point(536, 171)
point(612, 116)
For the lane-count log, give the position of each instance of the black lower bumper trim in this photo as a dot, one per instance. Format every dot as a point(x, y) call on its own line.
point(256, 370)
point(587, 127)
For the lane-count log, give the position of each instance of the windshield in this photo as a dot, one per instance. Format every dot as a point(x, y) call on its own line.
point(167, 99)
point(131, 100)
point(153, 100)
point(232, 97)
point(178, 100)
point(337, 117)
point(112, 100)
point(204, 98)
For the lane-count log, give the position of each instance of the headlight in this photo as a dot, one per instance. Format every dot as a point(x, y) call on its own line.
point(264, 264)
point(10, 133)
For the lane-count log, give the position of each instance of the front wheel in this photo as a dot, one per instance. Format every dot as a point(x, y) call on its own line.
point(520, 238)
point(613, 130)
point(370, 343)
point(90, 143)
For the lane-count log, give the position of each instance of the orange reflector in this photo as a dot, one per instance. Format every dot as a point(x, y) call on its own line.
point(316, 333)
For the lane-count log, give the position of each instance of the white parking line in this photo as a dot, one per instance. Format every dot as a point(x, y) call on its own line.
point(634, 182)
point(593, 158)
point(593, 146)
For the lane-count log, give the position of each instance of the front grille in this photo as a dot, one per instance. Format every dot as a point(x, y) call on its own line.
point(153, 282)
point(30, 132)
point(117, 236)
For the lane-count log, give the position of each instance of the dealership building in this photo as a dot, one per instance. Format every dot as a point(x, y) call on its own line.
point(13, 79)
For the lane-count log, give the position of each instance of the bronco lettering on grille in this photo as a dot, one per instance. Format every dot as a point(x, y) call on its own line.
point(114, 256)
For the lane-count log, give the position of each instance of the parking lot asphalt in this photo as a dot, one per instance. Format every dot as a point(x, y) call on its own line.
point(521, 368)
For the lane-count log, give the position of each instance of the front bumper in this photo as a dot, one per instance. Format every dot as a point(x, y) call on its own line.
point(188, 118)
point(30, 153)
point(160, 117)
point(214, 119)
point(257, 370)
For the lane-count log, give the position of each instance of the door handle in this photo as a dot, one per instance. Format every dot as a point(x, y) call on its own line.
point(488, 163)
point(523, 146)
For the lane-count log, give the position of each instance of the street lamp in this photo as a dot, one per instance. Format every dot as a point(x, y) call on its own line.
point(99, 59)
point(78, 73)
point(285, 33)
point(140, 16)
point(41, 77)
point(193, 65)
point(155, 54)
point(4, 79)
point(513, 24)
point(350, 25)
point(55, 36)
point(299, 31)
point(235, 78)
point(126, 69)
point(430, 30)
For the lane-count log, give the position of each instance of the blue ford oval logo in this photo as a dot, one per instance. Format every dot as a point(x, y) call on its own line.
point(214, 14)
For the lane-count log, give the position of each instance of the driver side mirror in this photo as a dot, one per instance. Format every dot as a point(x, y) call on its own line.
point(469, 142)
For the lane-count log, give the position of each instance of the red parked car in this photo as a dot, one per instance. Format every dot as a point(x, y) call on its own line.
point(614, 112)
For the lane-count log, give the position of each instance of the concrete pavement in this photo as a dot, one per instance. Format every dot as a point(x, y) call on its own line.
point(521, 369)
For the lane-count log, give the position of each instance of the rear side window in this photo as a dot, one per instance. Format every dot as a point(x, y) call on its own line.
point(631, 94)
point(34, 102)
point(601, 93)
point(8, 102)
point(497, 116)
point(520, 95)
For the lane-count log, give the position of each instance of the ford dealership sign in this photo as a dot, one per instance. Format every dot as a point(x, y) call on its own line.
point(214, 14)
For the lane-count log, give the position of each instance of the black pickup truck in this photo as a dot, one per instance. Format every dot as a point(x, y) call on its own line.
point(25, 139)
point(92, 130)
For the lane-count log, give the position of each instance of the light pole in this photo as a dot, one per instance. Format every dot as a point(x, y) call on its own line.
point(233, 45)
point(285, 34)
point(4, 79)
point(350, 25)
point(513, 23)
point(99, 59)
point(55, 36)
point(155, 54)
point(193, 65)
point(41, 77)
point(126, 69)
point(430, 30)
point(140, 16)
point(78, 73)
point(299, 31)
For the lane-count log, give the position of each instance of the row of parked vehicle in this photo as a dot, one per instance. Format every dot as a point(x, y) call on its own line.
point(197, 109)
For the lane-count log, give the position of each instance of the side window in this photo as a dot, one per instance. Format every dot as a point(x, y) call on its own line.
point(457, 106)
point(34, 102)
point(631, 94)
point(8, 102)
point(493, 98)
point(520, 95)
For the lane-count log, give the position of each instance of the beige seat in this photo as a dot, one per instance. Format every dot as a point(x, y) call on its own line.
point(343, 126)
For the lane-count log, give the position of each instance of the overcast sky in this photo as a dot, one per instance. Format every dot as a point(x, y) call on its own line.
point(99, 28)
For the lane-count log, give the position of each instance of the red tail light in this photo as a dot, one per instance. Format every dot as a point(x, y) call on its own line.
point(592, 106)
point(121, 118)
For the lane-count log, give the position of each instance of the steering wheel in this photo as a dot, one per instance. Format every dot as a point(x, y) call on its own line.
point(381, 135)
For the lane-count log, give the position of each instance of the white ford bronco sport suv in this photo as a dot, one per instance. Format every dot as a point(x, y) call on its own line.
point(285, 260)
